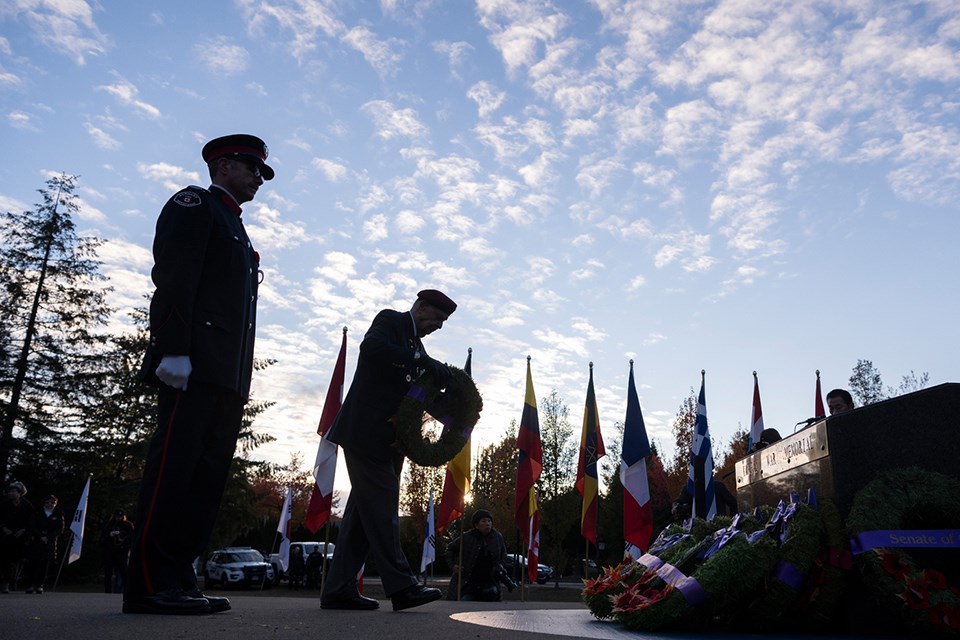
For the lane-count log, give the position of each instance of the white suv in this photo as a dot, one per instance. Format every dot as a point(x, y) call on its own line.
point(238, 566)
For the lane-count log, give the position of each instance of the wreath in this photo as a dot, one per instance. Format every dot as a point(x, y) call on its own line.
point(907, 503)
point(797, 527)
point(457, 407)
point(828, 576)
point(710, 577)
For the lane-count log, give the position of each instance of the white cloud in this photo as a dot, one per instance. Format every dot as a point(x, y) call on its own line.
point(170, 176)
point(379, 54)
point(331, 169)
point(126, 94)
point(64, 26)
point(220, 56)
point(21, 120)
point(101, 138)
point(392, 122)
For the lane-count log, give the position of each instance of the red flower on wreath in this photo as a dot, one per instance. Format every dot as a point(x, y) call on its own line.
point(934, 579)
point(943, 617)
point(894, 564)
point(916, 594)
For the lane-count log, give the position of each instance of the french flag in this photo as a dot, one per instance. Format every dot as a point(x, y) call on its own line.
point(637, 511)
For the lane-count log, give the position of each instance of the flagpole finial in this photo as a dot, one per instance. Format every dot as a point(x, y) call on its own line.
point(528, 359)
point(344, 329)
point(818, 373)
point(703, 372)
point(469, 350)
point(631, 363)
point(754, 374)
point(591, 365)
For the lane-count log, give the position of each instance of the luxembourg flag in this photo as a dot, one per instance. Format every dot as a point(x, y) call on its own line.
point(637, 510)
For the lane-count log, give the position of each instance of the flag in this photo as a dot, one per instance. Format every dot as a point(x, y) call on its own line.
point(429, 540)
point(591, 450)
point(530, 458)
point(457, 481)
point(283, 528)
point(325, 466)
point(818, 401)
point(533, 538)
point(756, 418)
point(637, 509)
point(76, 527)
point(700, 476)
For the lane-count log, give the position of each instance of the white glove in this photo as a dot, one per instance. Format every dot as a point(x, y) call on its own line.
point(174, 371)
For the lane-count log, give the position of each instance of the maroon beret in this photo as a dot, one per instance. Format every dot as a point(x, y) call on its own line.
point(438, 300)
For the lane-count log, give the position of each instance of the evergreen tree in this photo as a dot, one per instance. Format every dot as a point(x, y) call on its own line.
point(52, 304)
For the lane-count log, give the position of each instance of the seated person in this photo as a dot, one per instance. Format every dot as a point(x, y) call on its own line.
point(483, 554)
point(839, 401)
point(767, 438)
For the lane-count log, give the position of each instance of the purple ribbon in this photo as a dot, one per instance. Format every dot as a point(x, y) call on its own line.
point(789, 574)
point(418, 393)
point(923, 538)
point(651, 562)
point(691, 590)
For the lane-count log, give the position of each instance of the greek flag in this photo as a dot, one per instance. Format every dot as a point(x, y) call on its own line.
point(700, 477)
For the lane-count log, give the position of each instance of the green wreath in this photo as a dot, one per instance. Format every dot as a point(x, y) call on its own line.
point(828, 576)
point(800, 543)
point(908, 499)
point(723, 578)
point(457, 407)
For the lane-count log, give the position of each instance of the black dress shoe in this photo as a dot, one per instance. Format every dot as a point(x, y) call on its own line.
point(414, 597)
point(356, 603)
point(170, 602)
point(217, 604)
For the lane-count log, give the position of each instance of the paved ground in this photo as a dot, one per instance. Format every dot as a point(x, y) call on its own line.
point(281, 615)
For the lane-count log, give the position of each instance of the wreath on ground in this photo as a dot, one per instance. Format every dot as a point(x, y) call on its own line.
point(908, 506)
point(457, 407)
point(827, 579)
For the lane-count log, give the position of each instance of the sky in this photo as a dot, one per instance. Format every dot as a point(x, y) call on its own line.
point(729, 186)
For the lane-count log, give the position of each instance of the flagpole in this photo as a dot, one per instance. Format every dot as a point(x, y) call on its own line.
point(460, 561)
point(63, 560)
point(323, 563)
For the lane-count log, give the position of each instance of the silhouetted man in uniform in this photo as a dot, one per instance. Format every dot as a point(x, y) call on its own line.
point(391, 357)
point(202, 323)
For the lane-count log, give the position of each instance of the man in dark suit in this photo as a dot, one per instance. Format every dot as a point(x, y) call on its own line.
point(202, 323)
point(391, 357)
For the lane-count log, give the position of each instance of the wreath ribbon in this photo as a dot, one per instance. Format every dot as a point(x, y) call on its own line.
point(906, 538)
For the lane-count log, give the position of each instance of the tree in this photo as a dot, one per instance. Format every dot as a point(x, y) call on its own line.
point(866, 387)
point(494, 482)
point(683, 427)
point(559, 511)
point(52, 302)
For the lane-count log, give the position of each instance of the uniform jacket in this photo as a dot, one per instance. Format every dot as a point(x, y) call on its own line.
point(386, 367)
point(206, 273)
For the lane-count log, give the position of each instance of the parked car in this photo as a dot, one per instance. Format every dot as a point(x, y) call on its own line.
point(238, 566)
point(544, 573)
point(326, 548)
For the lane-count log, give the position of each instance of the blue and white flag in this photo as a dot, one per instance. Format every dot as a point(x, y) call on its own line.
point(700, 477)
point(429, 540)
point(76, 527)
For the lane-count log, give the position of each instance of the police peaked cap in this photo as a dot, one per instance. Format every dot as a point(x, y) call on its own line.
point(438, 300)
point(239, 144)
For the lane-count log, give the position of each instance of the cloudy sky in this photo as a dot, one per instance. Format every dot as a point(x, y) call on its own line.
point(733, 186)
